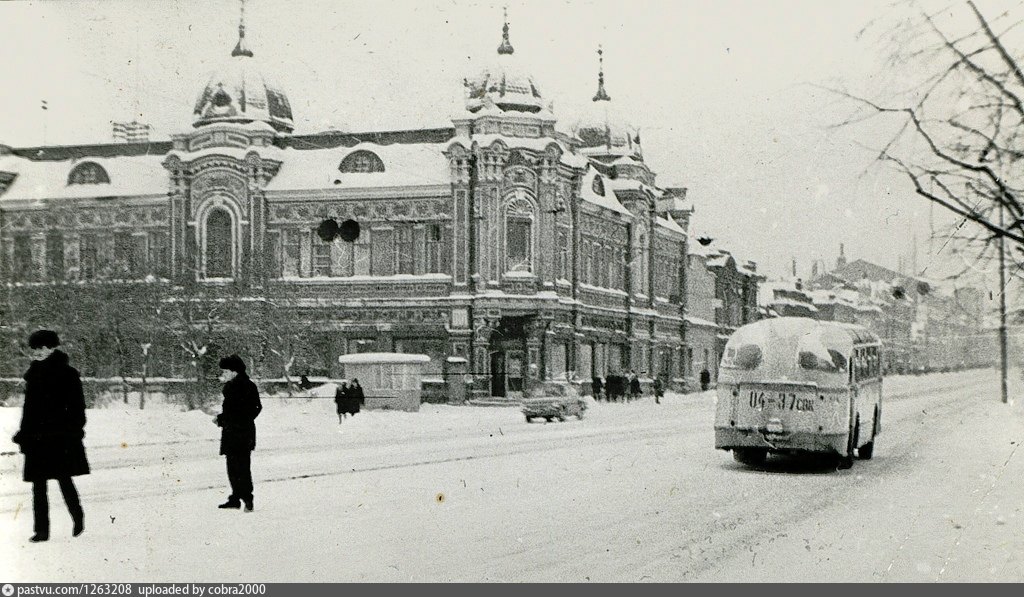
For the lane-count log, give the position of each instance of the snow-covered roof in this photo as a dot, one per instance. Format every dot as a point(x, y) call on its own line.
point(718, 259)
point(405, 164)
point(670, 224)
point(608, 201)
point(628, 184)
point(695, 248)
point(129, 176)
point(788, 302)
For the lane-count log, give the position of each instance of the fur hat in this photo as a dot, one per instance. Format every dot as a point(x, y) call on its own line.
point(43, 339)
point(233, 363)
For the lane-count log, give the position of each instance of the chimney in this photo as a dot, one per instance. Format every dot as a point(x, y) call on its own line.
point(130, 132)
point(841, 261)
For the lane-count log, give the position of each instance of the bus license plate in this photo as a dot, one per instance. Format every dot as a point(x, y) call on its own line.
point(761, 400)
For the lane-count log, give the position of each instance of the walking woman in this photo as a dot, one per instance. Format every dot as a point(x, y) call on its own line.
point(237, 421)
point(51, 432)
point(340, 400)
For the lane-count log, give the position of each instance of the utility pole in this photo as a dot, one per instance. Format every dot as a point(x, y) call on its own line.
point(1002, 310)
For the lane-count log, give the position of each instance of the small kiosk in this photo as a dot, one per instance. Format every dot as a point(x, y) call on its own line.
point(390, 380)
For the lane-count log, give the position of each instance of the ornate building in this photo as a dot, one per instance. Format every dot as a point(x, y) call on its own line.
point(530, 250)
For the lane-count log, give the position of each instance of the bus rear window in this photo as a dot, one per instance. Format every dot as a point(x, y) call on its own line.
point(817, 362)
point(746, 357)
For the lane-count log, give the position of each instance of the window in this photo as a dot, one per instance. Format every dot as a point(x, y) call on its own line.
point(361, 162)
point(437, 253)
point(88, 173)
point(21, 266)
point(382, 253)
point(405, 249)
point(128, 252)
point(219, 247)
point(519, 244)
point(321, 256)
point(291, 251)
point(361, 253)
point(88, 252)
point(157, 258)
point(54, 256)
point(563, 253)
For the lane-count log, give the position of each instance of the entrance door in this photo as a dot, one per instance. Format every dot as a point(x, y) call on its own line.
point(498, 373)
point(515, 370)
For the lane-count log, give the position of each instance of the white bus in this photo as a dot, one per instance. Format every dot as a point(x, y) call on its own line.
point(792, 384)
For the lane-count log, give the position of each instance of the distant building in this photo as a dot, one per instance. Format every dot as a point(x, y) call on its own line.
point(530, 252)
point(924, 325)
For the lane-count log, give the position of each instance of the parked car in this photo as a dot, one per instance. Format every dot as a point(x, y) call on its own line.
point(554, 400)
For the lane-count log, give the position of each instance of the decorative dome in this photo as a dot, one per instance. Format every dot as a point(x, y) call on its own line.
point(600, 124)
point(504, 84)
point(240, 93)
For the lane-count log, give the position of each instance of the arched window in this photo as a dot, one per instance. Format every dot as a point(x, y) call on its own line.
point(361, 161)
point(598, 185)
point(88, 173)
point(219, 249)
point(519, 235)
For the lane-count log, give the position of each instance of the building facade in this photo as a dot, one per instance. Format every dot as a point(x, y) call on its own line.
point(532, 251)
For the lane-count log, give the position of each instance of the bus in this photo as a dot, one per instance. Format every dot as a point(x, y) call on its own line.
point(798, 385)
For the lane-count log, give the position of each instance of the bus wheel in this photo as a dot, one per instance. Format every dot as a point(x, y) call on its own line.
point(868, 450)
point(846, 461)
point(750, 456)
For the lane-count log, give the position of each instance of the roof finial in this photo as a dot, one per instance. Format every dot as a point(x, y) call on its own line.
point(601, 94)
point(240, 47)
point(506, 45)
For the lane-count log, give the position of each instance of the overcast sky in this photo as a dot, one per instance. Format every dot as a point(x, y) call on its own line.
point(724, 92)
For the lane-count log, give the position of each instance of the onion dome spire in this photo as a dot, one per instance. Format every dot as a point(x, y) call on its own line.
point(601, 94)
point(506, 45)
point(240, 48)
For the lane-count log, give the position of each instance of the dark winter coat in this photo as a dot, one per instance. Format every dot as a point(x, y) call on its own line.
point(349, 399)
point(237, 419)
point(634, 386)
point(659, 388)
point(53, 421)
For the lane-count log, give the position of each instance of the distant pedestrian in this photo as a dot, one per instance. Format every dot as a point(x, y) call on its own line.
point(237, 421)
point(634, 385)
point(304, 382)
point(659, 390)
point(596, 385)
point(51, 432)
point(705, 380)
point(341, 394)
point(348, 397)
point(614, 386)
point(357, 394)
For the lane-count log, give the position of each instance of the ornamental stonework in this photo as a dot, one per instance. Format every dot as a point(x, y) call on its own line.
point(375, 209)
point(218, 182)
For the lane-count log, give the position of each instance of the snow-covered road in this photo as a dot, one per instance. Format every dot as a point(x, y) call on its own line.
point(634, 492)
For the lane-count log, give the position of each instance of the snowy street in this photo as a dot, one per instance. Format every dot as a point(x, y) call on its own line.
point(633, 492)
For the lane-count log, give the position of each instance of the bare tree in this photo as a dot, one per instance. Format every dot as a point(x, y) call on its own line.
point(957, 122)
point(957, 125)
